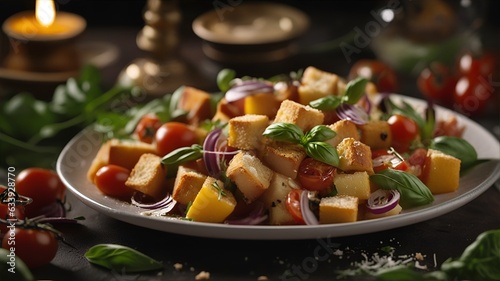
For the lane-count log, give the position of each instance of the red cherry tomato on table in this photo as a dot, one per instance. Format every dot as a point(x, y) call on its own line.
point(173, 135)
point(110, 180)
point(7, 212)
point(293, 205)
point(42, 185)
point(147, 127)
point(477, 65)
point(403, 130)
point(472, 94)
point(36, 247)
point(437, 83)
point(377, 72)
point(315, 175)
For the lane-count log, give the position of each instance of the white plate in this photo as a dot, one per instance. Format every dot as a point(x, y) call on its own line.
point(76, 157)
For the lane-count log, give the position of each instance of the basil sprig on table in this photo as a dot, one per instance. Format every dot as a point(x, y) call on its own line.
point(121, 258)
point(413, 191)
point(355, 90)
point(312, 141)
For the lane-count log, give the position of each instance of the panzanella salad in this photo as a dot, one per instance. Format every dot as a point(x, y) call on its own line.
point(305, 148)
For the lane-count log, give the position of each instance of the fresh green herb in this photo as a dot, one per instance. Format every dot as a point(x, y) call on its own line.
point(183, 155)
point(10, 270)
point(224, 78)
point(312, 141)
point(456, 147)
point(219, 189)
point(354, 91)
point(121, 258)
point(413, 191)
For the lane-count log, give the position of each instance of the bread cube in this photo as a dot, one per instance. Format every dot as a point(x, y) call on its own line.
point(196, 103)
point(262, 104)
point(303, 116)
point(148, 176)
point(226, 111)
point(274, 199)
point(338, 209)
point(344, 129)
point(356, 184)
point(188, 183)
point(213, 203)
point(443, 172)
point(354, 156)
point(284, 158)
point(251, 177)
point(245, 132)
point(317, 84)
point(376, 134)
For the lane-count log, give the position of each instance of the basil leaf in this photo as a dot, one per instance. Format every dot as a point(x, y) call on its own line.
point(413, 191)
point(355, 90)
point(183, 155)
point(323, 152)
point(326, 103)
point(121, 258)
point(319, 133)
point(479, 261)
point(456, 147)
point(286, 132)
point(400, 273)
point(13, 270)
point(224, 78)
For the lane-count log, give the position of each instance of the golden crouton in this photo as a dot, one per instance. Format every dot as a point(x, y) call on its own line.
point(284, 158)
point(226, 111)
point(356, 184)
point(354, 156)
point(245, 132)
point(376, 134)
point(443, 172)
point(148, 176)
point(188, 183)
point(249, 174)
point(262, 104)
point(274, 199)
point(196, 103)
point(303, 116)
point(338, 209)
point(317, 84)
point(343, 129)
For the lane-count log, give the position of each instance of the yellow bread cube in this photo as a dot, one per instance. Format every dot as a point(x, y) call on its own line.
point(213, 203)
point(262, 104)
point(343, 129)
point(148, 176)
point(394, 211)
point(354, 156)
point(196, 103)
point(303, 116)
point(245, 132)
point(251, 177)
point(338, 209)
point(284, 158)
point(317, 84)
point(443, 172)
point(188, 183)
point(356, 184)
point(274, 199)
point(376, 134)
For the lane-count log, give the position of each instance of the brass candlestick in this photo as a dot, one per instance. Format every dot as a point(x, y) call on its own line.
point(162, 72)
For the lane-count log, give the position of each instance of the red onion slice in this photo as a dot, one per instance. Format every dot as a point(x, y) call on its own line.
point(136, 201)
point(352, 113)
point(248, 88)
point(210, 159)
point(383, 200)
point(307, 214)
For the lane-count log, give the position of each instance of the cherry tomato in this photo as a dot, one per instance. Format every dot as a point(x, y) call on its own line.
point(36, 247)
point(9, 212)
point(173, 135)
point(110, 180)
point(377, 72)
point(42, 185)
point(147, 127)
point(315, 175)
point(477, 65)
point(472, 94)
point(383, 160)
point(293, 205)
point(437, 83)
point(403, 130)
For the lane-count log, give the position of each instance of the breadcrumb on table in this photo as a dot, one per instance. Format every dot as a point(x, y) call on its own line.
point(203, 275)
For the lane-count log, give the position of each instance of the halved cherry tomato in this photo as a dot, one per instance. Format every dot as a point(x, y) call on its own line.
point(315, 175)
point(472, 94)
point(437, 83)
point(173, 135)
point(36, 247)
point(404, 130)
point(110, 180)
point(146, 128)
point(377, 72)
point(293, 205)
point(383, 159)
point(42, 185)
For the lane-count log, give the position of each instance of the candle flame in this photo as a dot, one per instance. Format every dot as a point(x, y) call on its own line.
point(45, 12)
